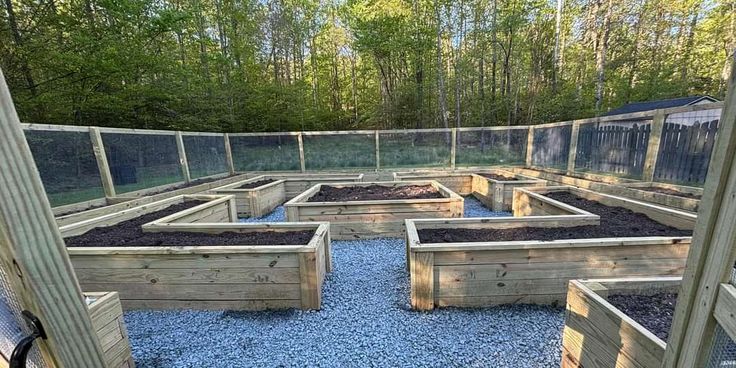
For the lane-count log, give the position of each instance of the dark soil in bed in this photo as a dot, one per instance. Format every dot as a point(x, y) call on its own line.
point(654, 312)
point(256, 184)
point(374, 192)
point(669, 192)
point(498, 177)
point(129, 234)
point(616, 222)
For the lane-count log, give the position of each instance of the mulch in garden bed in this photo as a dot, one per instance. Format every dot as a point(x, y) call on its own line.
point(654, 312)
point(670, 192)
point(256, 184)
point(498, 177)
point(616, 222)
point(374, 192)
point(130, 234)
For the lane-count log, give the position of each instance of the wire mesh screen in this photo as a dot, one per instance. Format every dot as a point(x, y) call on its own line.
point(205, 155)
point(723, 352)
point(491, 147)
point(67, 165)
point(140, 161)
point(614, 147)
point(686, 146)
point(336, 151)
point(415, 149)
point(11, 321)
point(551, 146)
point(265, 153)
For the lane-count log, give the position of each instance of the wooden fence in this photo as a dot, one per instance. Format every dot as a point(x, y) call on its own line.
point(89, 164)
point(685, 152)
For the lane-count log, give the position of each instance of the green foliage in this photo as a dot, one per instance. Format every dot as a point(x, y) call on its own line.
point(276, 65)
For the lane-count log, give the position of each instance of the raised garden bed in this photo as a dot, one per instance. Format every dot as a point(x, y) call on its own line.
point(257, 196)
point(653, 192)
point(107, 320)
point(494, 187)
point(179, 262)
point(677, 196)
point(114, 205)
point(490, 261)
point(354, 219)
point(297, 183)
point(597, 333)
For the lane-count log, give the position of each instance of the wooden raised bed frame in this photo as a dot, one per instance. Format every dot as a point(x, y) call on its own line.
point(598, 335)
point(255, 202)
point(621, 187)
point(107, 320)
point(537, 272)
point(297, 183)
point(373, 219)
point(496, 194)
point(247, 277)
point(120, 203)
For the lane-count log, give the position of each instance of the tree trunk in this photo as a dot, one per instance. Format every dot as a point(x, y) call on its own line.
point(440, 78)
point(558, 27)
point(18, 39)
point(600, 64)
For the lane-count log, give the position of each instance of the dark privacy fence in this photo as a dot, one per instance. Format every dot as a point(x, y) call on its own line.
point(686, 147)
point(619, 147)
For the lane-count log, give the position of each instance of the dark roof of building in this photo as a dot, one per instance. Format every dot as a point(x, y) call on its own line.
point(661, 104)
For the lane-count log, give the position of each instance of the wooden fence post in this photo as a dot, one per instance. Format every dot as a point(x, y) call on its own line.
point(33, 255)
point(453, 148)
point(378, 151)
point(711, 255)
point(650, 162)
point(529, 146)
point(102, 165)
point(302, 163)
point(573, 152)
point(229, 155)
point(183, 157)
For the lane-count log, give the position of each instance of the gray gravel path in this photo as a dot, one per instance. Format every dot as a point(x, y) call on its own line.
point(365, 321)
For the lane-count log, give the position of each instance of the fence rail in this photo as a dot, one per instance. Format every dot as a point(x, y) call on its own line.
point(80, 164)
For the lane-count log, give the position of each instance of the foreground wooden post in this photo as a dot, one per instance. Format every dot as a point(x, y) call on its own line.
point(573, 153)
point(102, 166)
point(229, 155)
point(34, 256)
point(183, 157)
point(650, 162)
point(422, 280)
point(529, 146)
point(711, 255)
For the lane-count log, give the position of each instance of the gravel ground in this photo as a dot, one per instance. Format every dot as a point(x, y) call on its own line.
point(277, 215)
point(365, 321)
point(474, 208)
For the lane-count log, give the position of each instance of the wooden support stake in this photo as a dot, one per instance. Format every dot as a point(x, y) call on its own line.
point(650, 162)
point(104, 168)
point(33, 254)
point(711, 255)
point(302, 163)
point(183, 157)
point(573, 154)
point(422, 280)
point(378, 151)
point(311, 293)
point(229, 155)
point(453, 148)
point(529, 146)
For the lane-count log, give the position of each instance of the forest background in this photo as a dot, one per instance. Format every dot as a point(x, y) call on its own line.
point(287, 65)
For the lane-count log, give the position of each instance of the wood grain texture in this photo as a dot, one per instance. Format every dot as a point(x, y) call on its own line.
point(42, 277)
